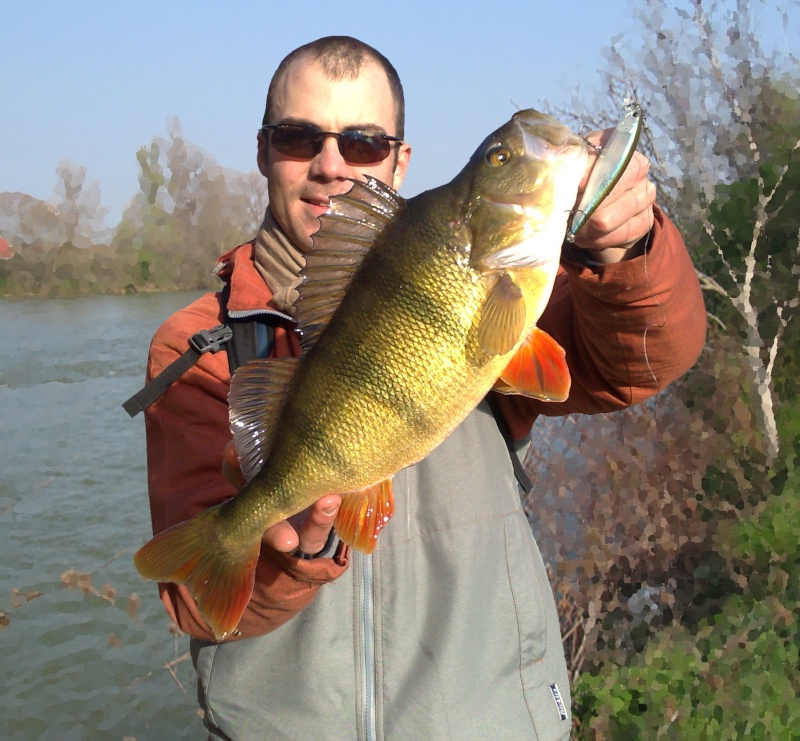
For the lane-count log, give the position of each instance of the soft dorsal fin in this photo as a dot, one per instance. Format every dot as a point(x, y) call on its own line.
point(347, 232)
point(258, 391)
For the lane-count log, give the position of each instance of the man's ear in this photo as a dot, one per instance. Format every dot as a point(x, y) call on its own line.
point(401, 165)
point(262, 154)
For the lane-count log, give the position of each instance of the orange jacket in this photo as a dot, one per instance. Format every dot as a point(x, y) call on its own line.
point(628, 329)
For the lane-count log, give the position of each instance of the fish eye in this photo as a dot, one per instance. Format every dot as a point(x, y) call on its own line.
point(498, 155)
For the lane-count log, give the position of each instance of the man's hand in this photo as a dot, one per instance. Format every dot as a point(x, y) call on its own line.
point(625, 217)
point(306, 531)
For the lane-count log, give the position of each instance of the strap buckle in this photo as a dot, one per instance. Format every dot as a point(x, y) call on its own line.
point(211, 340)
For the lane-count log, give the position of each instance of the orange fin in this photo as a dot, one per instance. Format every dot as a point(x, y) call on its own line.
point(503, 317)
point(538, 369)
point(364, 514)
point(219, 577)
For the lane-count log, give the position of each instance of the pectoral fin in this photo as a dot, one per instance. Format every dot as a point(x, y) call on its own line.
point(503, 317)
point(538, 369)
point(364, 514)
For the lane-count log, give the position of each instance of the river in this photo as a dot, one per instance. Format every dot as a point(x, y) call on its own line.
point(87, 649)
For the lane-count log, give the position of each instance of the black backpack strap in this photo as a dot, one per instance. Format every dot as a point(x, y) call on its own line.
point(253, 337)
point(519, 470)
point(206, 340)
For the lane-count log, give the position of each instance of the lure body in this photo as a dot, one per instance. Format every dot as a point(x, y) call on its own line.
point(611, 163)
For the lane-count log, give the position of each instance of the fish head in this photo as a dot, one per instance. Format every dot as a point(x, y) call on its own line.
point(521, 184)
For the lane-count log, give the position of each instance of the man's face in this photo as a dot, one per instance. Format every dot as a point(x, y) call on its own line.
point(298, 188)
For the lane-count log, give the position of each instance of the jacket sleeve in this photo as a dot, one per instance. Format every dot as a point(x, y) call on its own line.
point(187, 429)
point(628, 329)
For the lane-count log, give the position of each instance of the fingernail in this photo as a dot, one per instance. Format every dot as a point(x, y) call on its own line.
point(330, 508)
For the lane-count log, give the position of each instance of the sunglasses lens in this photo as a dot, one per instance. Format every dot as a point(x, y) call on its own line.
point(362, 149)
point(305, 142)
point(297, 141)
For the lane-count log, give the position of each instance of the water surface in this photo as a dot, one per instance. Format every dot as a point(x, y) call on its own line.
point(85, 639)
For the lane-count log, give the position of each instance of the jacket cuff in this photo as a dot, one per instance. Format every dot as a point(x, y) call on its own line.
point(627, 282)
point(319, 569)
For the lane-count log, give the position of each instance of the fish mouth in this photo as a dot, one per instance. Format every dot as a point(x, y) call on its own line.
point(520, 203)
point(542, 133)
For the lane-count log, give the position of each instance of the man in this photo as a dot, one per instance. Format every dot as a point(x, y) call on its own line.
point(449, 630)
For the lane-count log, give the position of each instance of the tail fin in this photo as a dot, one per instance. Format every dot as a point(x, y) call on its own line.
point(220, 577)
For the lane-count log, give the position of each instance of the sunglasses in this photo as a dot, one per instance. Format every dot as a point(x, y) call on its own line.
point(304, 141)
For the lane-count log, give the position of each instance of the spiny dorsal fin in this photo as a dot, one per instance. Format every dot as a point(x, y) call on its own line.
point(258, 391)
point(347, 232)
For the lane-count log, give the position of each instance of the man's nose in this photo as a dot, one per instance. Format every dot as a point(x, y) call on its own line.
point(329, 163)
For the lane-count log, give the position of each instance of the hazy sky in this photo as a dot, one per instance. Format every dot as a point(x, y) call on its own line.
point(94, 81)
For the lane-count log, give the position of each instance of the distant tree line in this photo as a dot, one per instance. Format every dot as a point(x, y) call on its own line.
point(187, 212)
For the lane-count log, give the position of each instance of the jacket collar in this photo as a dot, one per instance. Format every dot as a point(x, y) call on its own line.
point(249, 292)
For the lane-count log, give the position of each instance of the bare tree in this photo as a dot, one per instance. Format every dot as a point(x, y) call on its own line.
point(721, 110)
point(189, 210)
point(77, 202)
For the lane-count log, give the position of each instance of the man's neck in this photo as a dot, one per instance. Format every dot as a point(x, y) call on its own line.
point(279, 261)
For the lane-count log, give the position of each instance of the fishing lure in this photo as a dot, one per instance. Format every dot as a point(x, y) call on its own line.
point(611, 163)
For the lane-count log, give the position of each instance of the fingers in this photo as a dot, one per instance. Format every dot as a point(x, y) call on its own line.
point(230, 466)
point(626, 215)
point(306, 531)
point(314, 525)
point(620, 223)
point(281, 537)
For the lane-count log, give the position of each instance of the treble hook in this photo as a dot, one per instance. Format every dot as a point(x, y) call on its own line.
point(597, 148)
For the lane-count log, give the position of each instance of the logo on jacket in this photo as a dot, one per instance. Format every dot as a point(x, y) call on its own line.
point(562, 709)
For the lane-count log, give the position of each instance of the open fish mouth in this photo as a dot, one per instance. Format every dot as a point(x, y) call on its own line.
point(520, 202)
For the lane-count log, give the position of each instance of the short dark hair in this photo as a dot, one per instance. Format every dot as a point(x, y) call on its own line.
point(340, 57)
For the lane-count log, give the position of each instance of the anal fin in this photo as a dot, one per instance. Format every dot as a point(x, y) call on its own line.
point(538, 369)
point(363, 514)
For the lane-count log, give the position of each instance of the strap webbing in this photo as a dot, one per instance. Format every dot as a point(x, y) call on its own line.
point(519, 470)
point(206, 340)
point(252, 338)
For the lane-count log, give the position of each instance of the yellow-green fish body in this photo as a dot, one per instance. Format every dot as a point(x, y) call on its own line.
point(411, 312)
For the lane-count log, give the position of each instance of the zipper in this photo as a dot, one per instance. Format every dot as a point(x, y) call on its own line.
point(366, 647)
point(248, 313)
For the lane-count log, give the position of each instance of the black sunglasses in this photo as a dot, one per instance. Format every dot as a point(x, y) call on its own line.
point(304, 141)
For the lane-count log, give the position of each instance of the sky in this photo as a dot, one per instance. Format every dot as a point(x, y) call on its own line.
point(93, 82)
